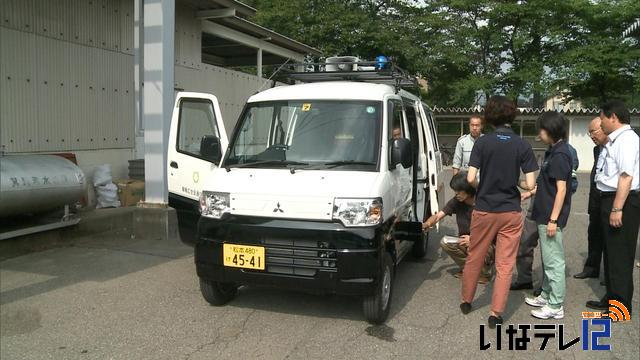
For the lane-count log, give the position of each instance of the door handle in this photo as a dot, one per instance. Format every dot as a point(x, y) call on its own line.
point(174, 164)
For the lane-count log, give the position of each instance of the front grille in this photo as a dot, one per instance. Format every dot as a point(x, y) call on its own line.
point(299, 257)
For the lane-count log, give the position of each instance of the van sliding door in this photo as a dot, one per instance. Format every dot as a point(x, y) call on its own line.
point(420, 161)
point(435, 177)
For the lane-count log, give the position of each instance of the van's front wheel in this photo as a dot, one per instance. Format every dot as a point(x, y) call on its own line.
point(217, 293)
point(376, 307)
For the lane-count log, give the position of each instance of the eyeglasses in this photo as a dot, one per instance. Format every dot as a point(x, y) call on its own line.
point(593, 131)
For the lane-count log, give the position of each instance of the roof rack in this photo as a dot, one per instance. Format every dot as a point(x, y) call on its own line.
point(363, 71)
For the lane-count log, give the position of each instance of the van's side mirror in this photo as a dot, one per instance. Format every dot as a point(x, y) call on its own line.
point(401, 153)
point(210, 148)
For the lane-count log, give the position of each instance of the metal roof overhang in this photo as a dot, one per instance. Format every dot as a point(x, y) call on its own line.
point(233, 41)
point(240, 8)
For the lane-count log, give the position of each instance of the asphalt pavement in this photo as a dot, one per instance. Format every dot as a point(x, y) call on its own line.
point(114, 297)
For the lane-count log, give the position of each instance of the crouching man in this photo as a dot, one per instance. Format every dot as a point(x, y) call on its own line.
point(462, 206)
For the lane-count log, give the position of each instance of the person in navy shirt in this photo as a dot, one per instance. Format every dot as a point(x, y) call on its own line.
point(500, 158)
point(551, 209)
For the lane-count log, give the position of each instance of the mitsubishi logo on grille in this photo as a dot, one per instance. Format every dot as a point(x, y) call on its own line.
point(277, 209)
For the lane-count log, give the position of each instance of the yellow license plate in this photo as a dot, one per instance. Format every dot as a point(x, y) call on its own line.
point(243, 256)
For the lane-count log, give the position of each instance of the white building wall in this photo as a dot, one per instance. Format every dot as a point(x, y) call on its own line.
point(580, 140)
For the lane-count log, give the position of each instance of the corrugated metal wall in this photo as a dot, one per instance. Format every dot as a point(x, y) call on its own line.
point(105, 24)
point(66, 75)
point(187, 38)
point(232, 88)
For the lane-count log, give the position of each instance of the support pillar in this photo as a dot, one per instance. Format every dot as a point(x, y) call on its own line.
point(158, 95)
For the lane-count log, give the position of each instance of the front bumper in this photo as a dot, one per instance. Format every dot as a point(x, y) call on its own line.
point(302, 255)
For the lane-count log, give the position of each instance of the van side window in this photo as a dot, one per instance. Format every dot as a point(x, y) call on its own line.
point(412, 121)
point(397, 128)
point(197, 119)
point(432, 130)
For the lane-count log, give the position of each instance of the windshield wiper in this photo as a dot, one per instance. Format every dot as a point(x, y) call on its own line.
point(348, 162)
point(266, 162)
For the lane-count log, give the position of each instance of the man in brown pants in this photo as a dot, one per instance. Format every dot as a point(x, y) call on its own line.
point(500, 157)
point(461, 205)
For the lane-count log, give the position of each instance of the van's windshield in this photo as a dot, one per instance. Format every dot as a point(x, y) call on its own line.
point(309, 133)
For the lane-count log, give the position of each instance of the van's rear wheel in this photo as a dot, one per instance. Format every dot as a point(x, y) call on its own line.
point(419, 249)
point(376, 307)
point(217, 293)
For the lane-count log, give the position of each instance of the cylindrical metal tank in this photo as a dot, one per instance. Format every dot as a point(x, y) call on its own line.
point(37, 183)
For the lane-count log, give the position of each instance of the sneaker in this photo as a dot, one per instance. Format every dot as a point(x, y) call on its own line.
point(537, 301)
point(547, 312)
point(483, 280)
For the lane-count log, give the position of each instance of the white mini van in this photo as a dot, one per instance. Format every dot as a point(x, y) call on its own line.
point(321, 187)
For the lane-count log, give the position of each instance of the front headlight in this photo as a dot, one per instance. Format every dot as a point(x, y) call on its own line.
point(357, 212)
point(214, 204)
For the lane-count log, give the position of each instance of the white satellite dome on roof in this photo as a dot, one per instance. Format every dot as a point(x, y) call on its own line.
point(342, 63)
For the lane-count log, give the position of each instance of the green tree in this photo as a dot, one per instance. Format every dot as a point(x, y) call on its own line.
point(593, 63)
point(462, 51)
point(530, 48)
point(361, 28)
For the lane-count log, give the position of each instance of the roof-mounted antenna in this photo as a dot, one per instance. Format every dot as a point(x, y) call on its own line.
point(272, 75)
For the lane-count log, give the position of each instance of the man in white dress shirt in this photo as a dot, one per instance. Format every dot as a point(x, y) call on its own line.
point(618, 183)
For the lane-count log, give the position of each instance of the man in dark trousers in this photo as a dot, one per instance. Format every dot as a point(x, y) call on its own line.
point(594, 233)
point(618, 182)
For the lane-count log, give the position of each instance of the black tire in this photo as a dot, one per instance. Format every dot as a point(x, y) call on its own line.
point(217, 293)
point(376, 307)
point(419, 249)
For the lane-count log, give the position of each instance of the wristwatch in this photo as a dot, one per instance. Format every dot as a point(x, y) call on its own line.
point(551, 221)
point(616, 209)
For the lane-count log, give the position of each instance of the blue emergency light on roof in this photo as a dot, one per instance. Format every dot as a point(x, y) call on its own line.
point(381, 62)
